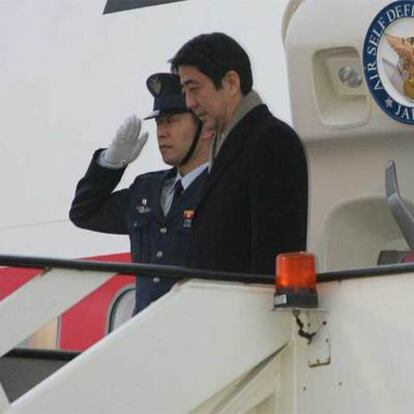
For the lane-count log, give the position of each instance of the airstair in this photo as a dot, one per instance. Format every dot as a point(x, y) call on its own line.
point(219, 347)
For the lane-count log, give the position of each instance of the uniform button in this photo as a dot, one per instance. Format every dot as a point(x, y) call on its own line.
point(163, 230)
point(159, 254)
point(156, 280)
point(135, 224)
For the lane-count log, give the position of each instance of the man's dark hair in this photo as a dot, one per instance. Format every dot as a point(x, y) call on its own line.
point(215, 54)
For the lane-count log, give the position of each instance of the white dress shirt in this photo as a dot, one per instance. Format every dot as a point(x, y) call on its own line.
point(167, 192)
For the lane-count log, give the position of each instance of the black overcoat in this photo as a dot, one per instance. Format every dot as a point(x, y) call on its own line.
point(254, 204)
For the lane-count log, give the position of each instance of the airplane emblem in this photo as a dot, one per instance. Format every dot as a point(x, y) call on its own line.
point(404, 48)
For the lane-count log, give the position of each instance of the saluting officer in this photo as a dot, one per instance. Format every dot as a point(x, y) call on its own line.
point(157, 209)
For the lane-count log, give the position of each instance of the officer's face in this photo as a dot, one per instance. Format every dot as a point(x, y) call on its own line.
point(175, 134)
point(211, 105)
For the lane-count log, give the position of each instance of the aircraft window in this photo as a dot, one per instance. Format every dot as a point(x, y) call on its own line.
point(122, 308)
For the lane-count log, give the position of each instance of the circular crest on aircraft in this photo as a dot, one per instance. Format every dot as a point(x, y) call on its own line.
point(388, 58)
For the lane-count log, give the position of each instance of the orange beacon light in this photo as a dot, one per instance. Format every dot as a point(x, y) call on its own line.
point(295, 279)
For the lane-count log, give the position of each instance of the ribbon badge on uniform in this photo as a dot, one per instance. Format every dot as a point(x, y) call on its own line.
point(188, 216)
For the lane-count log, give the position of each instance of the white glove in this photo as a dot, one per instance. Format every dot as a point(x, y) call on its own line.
point(126, 146)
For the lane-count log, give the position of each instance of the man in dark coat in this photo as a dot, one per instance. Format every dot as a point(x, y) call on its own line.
point(157, 209)
point(254, 205)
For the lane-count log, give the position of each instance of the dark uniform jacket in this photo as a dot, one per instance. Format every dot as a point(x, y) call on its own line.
point(254, 204)
point(136, 211)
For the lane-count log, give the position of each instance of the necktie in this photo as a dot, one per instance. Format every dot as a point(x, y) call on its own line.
point(178, 190)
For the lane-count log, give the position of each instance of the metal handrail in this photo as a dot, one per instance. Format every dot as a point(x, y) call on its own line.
point(174, 272)
point(363, 272)
point(143, 269)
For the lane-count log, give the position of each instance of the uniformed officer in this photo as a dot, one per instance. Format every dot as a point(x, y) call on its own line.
point(157, 209)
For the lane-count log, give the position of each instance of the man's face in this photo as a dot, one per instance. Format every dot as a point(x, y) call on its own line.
point(211, 105)
point(175, 134)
